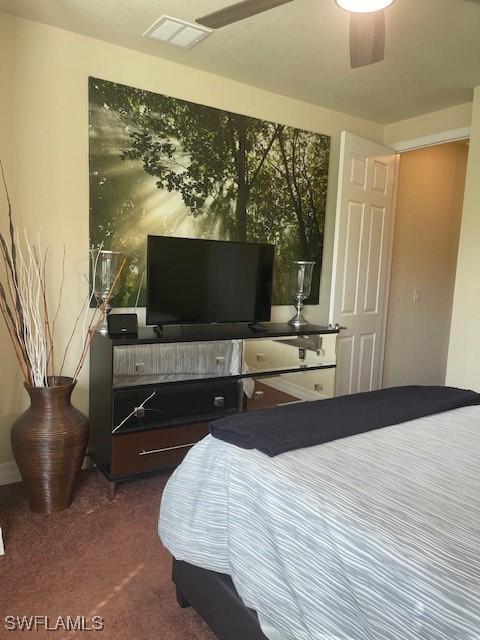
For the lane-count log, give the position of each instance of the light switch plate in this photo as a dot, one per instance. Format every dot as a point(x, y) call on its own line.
point(417, 295)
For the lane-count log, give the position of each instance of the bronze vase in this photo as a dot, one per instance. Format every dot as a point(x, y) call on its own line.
point(49, 442)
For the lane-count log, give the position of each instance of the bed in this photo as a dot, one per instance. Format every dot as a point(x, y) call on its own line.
point(369, 537)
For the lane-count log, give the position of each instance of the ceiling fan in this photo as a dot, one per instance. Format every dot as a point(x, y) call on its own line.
point(367, 24)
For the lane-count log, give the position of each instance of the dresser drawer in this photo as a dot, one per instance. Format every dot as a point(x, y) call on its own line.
point(156, 449)
point(143, 407)
point(294, 353)
point(159, 363)
point(258, 394)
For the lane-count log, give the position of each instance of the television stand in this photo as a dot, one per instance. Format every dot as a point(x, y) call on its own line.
point(169, 331)
point(152, 396)
point(257, 326)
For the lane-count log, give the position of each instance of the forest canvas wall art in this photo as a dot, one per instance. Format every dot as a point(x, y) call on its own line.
point(164, 166)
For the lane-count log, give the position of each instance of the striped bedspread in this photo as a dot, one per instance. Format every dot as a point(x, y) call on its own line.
point(373, 537)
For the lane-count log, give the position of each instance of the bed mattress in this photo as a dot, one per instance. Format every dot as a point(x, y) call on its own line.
point(372, 537)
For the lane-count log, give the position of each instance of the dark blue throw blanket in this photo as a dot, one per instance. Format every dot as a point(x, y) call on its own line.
point(295, 426)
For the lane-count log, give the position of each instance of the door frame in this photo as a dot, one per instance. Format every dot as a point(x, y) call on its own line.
point(389, 268)
point(432, 140)
point(413, 144)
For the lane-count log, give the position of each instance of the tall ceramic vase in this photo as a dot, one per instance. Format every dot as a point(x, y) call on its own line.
point(49, 442)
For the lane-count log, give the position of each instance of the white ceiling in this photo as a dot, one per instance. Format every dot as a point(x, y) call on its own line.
point(301, 49)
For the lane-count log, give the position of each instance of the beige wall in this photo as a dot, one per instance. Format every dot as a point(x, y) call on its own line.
point(458, 117)
point(463, 368)
point(427, 225)
point(48, 165)
point(12, 391)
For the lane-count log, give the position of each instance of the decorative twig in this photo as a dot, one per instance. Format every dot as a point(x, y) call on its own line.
point(60, 295)
point(10, 284)
point(7, 316)
point(12, 233)
point(94, 325)
point(93, 275)
point(29, 290)
point(42, 268)
point(52, 336)
point(139, 290)
point(25, 310)
point(72, 335)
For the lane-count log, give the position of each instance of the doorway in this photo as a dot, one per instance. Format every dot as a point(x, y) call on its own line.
point(431, 183)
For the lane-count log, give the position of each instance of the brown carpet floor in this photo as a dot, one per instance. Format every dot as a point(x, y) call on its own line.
point(99, 557)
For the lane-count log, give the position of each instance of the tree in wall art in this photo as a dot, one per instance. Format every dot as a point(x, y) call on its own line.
point(164, 166)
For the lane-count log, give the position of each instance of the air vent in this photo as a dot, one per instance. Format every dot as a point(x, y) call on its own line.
point(177, 32)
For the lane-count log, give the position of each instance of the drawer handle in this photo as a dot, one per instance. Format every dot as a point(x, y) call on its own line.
point(258, 395)
point(220, 360)
point(178, 446)
point(136, 412)
point(219, 401)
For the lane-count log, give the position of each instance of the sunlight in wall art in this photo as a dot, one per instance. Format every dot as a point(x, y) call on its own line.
point(164, 166)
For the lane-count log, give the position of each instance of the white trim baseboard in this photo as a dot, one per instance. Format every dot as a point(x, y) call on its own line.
point(9, 473)
point(431, 140)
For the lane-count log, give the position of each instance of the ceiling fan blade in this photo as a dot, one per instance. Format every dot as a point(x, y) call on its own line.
point(367, 38)
point(238, 11)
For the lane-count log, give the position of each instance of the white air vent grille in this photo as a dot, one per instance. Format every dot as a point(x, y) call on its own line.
point(177, 32)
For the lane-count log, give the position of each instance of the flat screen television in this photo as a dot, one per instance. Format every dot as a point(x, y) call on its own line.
point(206, 281)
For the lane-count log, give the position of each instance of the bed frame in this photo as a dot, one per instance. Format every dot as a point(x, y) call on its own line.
point(215, 599)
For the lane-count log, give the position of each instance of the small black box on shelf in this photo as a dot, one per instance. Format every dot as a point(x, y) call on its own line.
point(120, 324)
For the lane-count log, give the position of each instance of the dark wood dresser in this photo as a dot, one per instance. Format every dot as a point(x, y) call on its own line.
point(153, 397)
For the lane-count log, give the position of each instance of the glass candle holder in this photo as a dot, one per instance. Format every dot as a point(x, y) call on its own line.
point(105, 266)
point(302, 272)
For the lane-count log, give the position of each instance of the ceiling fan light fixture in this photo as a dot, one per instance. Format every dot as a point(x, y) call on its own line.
point(364, 6)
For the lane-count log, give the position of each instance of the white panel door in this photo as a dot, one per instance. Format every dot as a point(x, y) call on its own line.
point(361, 262)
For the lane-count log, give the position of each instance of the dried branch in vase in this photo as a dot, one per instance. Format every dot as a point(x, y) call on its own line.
point(25, 309)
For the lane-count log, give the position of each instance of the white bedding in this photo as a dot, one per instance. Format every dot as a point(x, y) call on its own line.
point(373, 537)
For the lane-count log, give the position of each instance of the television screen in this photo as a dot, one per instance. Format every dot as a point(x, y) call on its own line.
point(203, 281)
